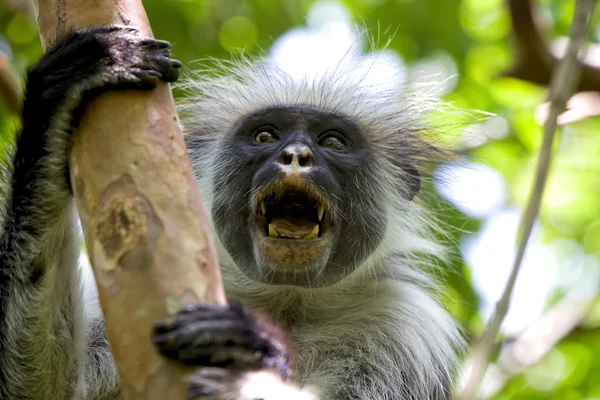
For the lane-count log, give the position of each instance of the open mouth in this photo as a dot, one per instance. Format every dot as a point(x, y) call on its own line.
point(293, 214)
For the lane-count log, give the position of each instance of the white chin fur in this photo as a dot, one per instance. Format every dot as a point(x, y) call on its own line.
point(266, 385)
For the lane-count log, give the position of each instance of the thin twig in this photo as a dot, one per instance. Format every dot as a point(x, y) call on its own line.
point(562, 85)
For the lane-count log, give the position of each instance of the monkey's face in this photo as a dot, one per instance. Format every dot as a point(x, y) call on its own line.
point(297, 199)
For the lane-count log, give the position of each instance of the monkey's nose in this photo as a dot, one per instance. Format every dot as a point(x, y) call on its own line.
point(296, 155)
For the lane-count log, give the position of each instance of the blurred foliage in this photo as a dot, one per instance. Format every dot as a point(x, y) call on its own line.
point(476, 35)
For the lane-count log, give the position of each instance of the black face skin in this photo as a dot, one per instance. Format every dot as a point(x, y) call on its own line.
point(336, 165)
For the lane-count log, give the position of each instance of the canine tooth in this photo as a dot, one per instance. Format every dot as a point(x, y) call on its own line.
point(321, 211)
point(263, 207)
point(313, 234)
point(273, 232)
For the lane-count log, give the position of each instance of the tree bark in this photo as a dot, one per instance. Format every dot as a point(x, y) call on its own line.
point(146, 231)
point(10, 87)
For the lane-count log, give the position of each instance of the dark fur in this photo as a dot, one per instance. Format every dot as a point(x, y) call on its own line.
point(340, 177)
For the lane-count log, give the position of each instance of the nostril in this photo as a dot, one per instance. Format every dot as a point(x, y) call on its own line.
point(286, 158)
point(305, 159)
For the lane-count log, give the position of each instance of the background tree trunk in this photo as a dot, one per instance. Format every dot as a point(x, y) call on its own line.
point(146, 231)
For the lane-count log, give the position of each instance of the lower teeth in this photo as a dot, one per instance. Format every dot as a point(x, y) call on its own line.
point(312, 235)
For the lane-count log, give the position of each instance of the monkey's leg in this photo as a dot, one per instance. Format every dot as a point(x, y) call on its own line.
point(44, 352)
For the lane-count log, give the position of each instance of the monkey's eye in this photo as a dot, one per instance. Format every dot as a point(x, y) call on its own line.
point(264, 135)
point(333, 142)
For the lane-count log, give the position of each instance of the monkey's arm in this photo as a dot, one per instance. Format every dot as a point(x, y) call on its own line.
point(43, 346)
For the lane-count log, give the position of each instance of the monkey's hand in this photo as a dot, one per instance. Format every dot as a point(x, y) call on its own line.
point(88, 61)
point(241, 355)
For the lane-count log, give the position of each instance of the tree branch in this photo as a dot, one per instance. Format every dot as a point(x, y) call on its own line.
point(145, 228)
point(16, 6)
point(534, 60)
point(10, 87)
point(563, 84)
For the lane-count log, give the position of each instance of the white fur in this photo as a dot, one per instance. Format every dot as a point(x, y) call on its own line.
point(265, 385)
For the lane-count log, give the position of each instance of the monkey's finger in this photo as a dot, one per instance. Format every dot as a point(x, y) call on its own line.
point(230, 356)
point(168, 67)
point(209, 339)
point(155, 44)
point(195, 329)
point(198, 312)
point(146, 78)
